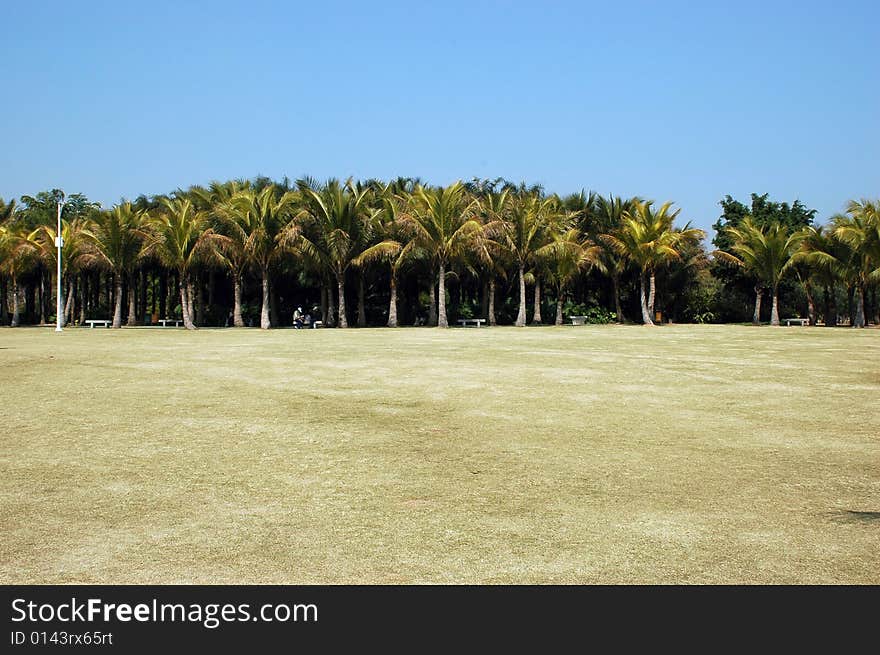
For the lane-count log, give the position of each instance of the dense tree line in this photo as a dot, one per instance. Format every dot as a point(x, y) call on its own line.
point(247, 252)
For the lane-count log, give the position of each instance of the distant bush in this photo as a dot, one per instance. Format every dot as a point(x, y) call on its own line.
point(594, 315)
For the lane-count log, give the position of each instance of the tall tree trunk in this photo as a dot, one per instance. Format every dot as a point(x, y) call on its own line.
point(192, 299)
point(830, 307)
point(68, 304)
point(265, 320)
point(441, 298)
point(132, 300)
point(392, 306)
point(199, 303)
point(811, 305)
point(186, 301)
point(643, 299)
point(521, 315)
point(237, 320)
point(117, 305)
point(559, 308)
point(492, 320)
point(859, 321)
point(651, 294)
point(536, 316)
point(615, 284)
point(16, 304)
point(362, 312)
point(774, 310)
point(340, 285)
point(331, 305)
point(83, 297)
point(432, 301)
point(756, 316)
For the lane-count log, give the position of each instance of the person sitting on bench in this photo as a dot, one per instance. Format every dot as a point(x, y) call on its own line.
point(298, 318)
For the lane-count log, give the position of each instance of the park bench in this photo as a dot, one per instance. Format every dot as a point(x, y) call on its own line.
point(165, 321)
point(799, 321)
point(477, 322)
point(578, 320)
point(100, 321)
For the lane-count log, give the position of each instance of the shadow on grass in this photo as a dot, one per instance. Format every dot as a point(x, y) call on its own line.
point(855, 516)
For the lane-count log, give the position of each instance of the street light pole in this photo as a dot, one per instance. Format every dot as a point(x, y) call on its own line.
point(59, 242)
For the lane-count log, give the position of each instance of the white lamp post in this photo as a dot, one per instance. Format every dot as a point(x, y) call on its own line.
point(59, 243)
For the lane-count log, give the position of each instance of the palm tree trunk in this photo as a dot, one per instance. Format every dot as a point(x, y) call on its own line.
point(117, 305)
point(132, 300)
point(536, 317)
point(441, 298)
point(83, 297)
point(756, 316)
point(186, 301)
point(237, 320)
point(559, 308)
point(774, 310)
point(265, 321)
point(643, 299)
point(651, 295)
point(68, 304)
point(830, 308)
point(362, 312)
point(492, 320)
point(432, 301)
point(194, 302)
point(811, 305)
point(340, 285)
point(615, 283)
point(331, 306)
point(859, 321)
point(392, 306)
point(16, 304)
point(521, 315)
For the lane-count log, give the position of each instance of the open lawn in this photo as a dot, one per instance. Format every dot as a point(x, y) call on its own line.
point(690, 454)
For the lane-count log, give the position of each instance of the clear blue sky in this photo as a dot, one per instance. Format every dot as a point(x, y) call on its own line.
point(669, 100)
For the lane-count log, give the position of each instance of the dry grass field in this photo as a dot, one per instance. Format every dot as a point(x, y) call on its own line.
point(606, 454)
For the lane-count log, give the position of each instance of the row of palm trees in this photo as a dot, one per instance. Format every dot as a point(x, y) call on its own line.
point(329, 228)
point(492, 230)
point(846, 250)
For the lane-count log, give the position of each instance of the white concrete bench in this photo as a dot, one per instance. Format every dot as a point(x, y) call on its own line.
point(478, 322)
point(578, 320)
point(317, 324)
point(799, 321)
point(100, 321)
point(165, 321)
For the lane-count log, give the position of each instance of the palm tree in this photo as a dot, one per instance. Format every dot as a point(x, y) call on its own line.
point(180, 237)
point(73, 235)
point(396, 245)
point(444, 228)
point(564, 258)
point(259, 221)
point(341, 218)
point(113, 241)
point(647, 238)
point(606, 218)
point(19, 252)
point(859, 230)
point(494, 207)
point(530, 224)
point(767, 252)
point(826, 255)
